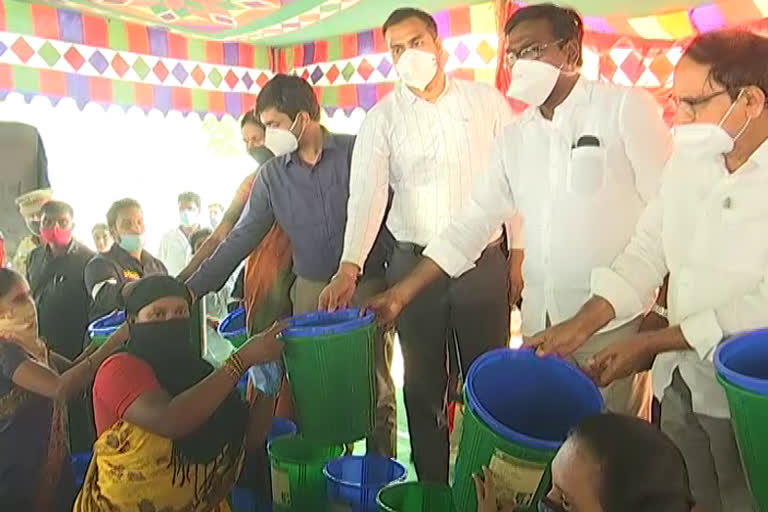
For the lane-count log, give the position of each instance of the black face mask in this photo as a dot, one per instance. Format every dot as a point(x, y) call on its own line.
point(162, 342)
point(261, 154)
point(547, 505)
point(33, 226)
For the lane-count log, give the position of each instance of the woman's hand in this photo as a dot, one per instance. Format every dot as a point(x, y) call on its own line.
point(485, 488)
point(264, 347)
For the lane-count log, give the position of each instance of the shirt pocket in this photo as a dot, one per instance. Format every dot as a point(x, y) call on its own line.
point(587, 174)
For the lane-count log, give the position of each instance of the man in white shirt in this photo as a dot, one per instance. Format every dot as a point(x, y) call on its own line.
point(175, 250)
point(427, 141)
point(579, 166)
point(707, 229)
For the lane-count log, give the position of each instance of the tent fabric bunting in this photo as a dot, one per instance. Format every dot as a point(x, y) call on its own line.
point(56, 53)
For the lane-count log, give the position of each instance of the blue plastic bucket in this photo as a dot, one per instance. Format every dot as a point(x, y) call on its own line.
point(281, 427)
point(520, 408)
point(245, 500)
point(743, 361)
point(102, 328)
point(530, 400)
point(234, 327)
point(322, 323)
point(355, 481)
point(80, 463)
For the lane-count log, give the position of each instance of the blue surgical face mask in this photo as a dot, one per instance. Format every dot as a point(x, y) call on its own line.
point(188, 218)
point(131, 243)
point(547, 505)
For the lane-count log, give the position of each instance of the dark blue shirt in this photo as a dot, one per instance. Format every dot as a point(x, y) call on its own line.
point(309, 203)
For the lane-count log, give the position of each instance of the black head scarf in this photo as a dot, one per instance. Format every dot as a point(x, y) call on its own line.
point(167, 348)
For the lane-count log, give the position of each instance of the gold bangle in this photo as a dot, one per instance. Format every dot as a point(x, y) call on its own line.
point(235, 357)
point(230, 369)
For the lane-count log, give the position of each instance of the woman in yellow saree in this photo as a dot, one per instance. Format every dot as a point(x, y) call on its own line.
point(172, 430)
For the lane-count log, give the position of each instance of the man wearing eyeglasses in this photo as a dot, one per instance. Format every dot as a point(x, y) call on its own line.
point(579, 166)
point(427, 141)
point(707, 230)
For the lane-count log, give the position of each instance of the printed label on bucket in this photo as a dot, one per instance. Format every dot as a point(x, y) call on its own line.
point(281, 487)
point(516, 480)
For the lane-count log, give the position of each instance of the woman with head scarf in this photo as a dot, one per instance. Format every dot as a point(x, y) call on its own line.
point(172, 430)
point(609, 463)
point(35, 474)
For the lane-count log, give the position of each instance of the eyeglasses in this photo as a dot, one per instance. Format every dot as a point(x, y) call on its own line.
point(686, 108)
point(531, 52)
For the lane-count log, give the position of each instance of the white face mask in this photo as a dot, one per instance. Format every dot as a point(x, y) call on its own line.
point(282, 142)
point(708, 139)
point(532, 81)
point(417, 68)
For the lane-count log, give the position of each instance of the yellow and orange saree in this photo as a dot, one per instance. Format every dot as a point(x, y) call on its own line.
point(131, 470)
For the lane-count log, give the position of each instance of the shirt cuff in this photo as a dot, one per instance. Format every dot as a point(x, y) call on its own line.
point(703, 333)
point(449, 258)
point(617, 291)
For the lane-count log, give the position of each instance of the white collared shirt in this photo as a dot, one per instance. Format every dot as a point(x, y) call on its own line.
point(174, 251)
point(430, 154)
point(579, 205)
point(707, 229)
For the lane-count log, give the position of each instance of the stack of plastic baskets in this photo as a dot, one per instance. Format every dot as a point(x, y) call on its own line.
point(245, 500)
point(298, 483)
point(519, 410)
point(355, 481)
point(742, 370)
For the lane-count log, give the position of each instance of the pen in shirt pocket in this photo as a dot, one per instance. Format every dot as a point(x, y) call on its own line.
point(587, 141)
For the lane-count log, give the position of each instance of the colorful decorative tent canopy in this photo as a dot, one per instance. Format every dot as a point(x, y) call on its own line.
point(148, 53)
point(280, 22)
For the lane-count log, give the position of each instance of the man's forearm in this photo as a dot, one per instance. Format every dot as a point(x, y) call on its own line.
point(670, 339)
point(205, 251)
point(595, 314)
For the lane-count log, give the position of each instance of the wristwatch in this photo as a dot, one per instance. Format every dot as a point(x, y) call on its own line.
point(659, 310)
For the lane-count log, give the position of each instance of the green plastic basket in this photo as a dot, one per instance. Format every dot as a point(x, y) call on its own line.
point(749, 415)
point(415, 497)
point(478, 446)
point(329, 361)
point(298, 482)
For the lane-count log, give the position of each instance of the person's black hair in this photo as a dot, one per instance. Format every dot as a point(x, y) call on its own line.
point(99, 226)
point(197, 236)
point(189, 197)
point(8, 278)
point(250, 117)
point(641, 469)
point(402, 14)
point(733, 57)
point(56, 208)
point(290, 95)
point(117, 207)
point(566, 23)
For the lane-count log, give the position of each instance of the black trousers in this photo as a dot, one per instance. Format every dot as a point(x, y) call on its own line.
point(473, 306)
